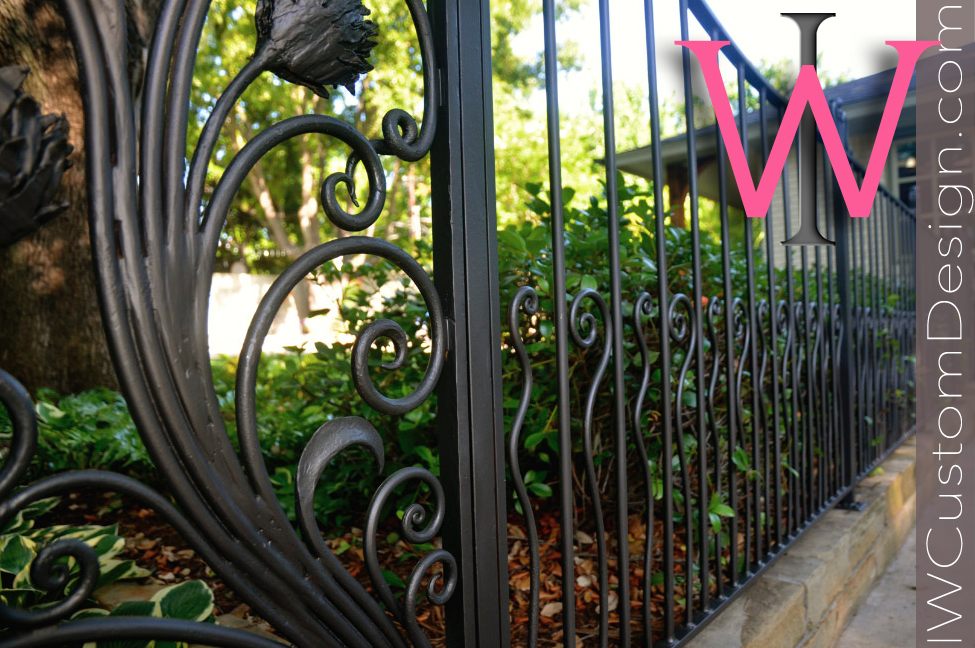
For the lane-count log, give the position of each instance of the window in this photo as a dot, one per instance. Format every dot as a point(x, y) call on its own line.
point(907, 172)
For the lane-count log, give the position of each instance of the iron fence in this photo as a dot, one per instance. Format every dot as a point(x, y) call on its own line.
point(802, 376)
point(735, 418)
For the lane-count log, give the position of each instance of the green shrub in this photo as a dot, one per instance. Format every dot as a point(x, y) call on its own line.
point(299, 391)
point(92, 429)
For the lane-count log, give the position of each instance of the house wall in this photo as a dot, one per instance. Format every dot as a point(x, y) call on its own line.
point(234, 298)
point(862, 147)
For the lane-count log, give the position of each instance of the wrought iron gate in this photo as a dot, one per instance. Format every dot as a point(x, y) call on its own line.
point(801, 385)
point(154, 242)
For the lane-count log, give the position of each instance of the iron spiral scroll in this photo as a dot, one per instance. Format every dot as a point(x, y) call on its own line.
point(154, 241)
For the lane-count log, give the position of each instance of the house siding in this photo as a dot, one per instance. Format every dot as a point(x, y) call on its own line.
point(862, 147)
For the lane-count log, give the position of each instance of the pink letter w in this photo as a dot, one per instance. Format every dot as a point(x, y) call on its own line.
point(807, 90)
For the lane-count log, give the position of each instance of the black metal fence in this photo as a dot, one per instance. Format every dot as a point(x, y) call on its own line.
point(735, 418)
point(802, 372)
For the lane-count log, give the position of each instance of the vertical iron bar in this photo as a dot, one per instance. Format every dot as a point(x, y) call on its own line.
point(666, 387)
point(696, 238)
point(875, 319)
point(773, 331)
point(893, 251)
point(616, 310)
point(855, 347)
point(829, 395)
point(729, 327)
point(841, 223)
point(806, 418)
point(889, 269)
point(902, 291)
point(910, 294)
point(912, 278)
point(897, 350)
point(869, 337)
point(752, 346)
point(561, 322)
point(662, 306)
point(703, 521)
point(819, 378)
point(882, 328)
point(860, 342)
point(790, 363)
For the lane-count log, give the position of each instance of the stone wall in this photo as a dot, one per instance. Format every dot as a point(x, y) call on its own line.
point(809, 594)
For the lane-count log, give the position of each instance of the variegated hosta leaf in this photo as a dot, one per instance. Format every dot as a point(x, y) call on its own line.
point(24, 520)
point(191, 601)
point(19, 550)
point(188, 601)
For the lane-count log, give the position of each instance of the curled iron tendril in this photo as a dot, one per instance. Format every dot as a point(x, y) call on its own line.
point(740, 319)
point(715, 310)
point(799, 311)
point(368, 336)
point(413, 516)
point(683, 327)
point(763, 331)
point(123, 629)
point(49, 574)
point(644, 308)
point(525, 300)
point(680, 321)
point(813, 308)
point(401, 135)
point(155, 260)
point(336, 435)
point(743, 331)
point(584, 330)
point(837, 333)
point(15, 399)
point(782, 315)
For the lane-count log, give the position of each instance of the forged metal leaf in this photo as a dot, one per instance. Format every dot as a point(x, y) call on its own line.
point(315, 43)
point(33, 156)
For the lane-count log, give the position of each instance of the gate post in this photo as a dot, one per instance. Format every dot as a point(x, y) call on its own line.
point(469, 404)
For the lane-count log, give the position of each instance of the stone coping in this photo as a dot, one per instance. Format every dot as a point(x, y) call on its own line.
point(808, 595)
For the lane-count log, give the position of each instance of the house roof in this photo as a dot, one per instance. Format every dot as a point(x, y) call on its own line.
point(862, 99)
point(864, 89)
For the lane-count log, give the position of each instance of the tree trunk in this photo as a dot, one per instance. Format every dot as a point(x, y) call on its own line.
point(50, 327)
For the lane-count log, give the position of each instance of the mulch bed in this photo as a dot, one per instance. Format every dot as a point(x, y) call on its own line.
point(155, 546)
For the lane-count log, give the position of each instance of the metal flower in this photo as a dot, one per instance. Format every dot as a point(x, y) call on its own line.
point(315, 43)
point(33, 156)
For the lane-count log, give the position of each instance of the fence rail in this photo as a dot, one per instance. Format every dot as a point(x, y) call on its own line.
point(800, 372)
point(701, 421)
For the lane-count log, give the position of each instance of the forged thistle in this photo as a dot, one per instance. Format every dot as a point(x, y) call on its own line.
point(315, 43)
point(33, 156)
